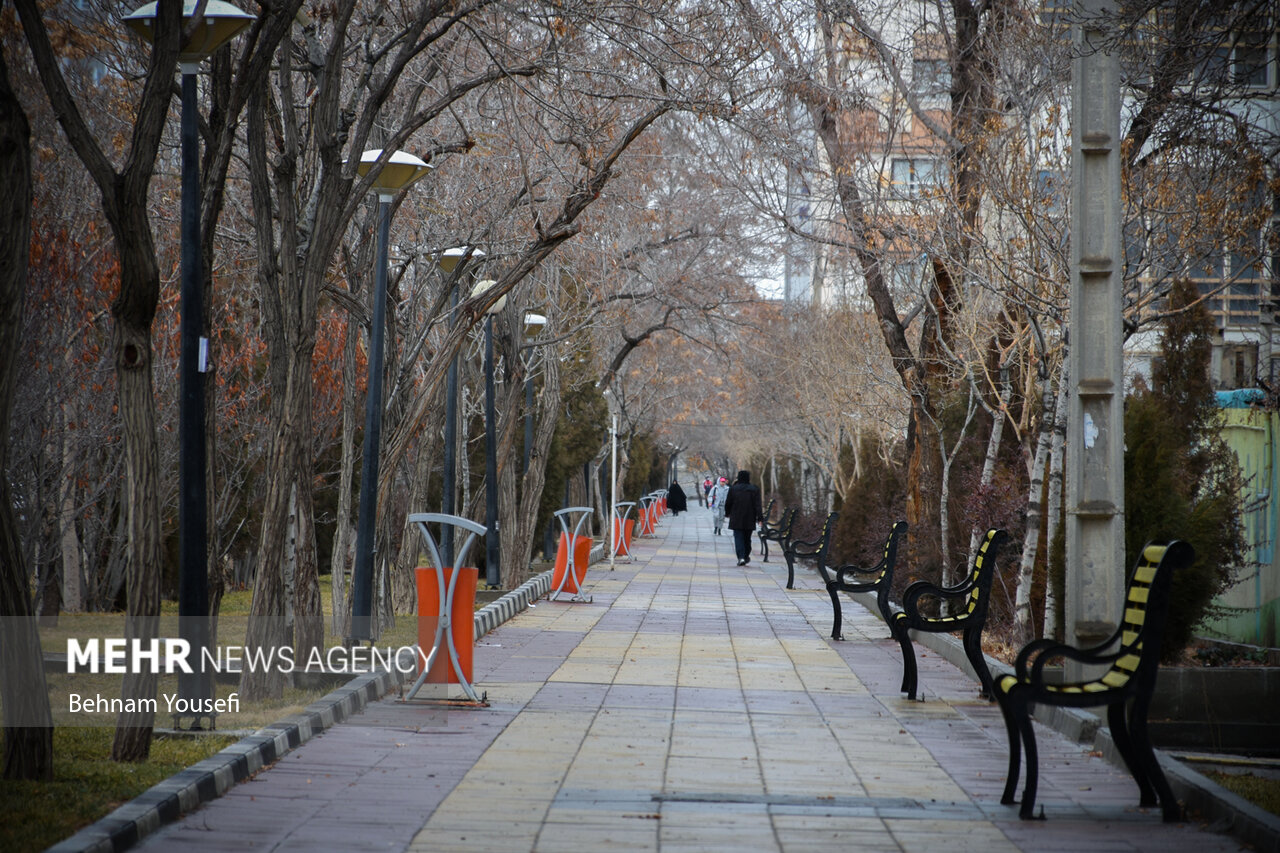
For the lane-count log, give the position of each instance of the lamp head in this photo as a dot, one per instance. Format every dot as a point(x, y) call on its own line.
point(219, 24)
point(400, 170)
point(450, 258)
point(481, 287)
point(534, 324)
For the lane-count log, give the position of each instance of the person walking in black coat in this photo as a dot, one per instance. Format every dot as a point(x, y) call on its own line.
point(743, 509)
point(677, 502)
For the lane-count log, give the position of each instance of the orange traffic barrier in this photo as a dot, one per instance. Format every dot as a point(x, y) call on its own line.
point(581, 558)
point(461, 621)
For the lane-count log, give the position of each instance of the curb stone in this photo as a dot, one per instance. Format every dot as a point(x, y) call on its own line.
point(187, 789)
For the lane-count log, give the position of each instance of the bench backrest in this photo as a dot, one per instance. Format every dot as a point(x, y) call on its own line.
point(828, 528)
point(768, 511)
point(782, 529)
point(891, 549)
point(983, 573)
point(1146, 610)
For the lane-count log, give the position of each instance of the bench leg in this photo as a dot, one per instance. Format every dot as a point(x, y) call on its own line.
point(764, 549)
point(1022, 715)
point(973, 651)
point(791, 569)
point(1145, 757)
point(908, 659)
point(837, 615)
point(882, 603)
point(1009, 797)
point(1118, 721)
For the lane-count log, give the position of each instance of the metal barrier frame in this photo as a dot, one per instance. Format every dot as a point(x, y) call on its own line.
point(620, 520)
point(648, 523)
point(422, 519)
point(561, 515)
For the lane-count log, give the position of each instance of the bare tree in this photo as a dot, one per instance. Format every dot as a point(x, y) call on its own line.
point(124, 194)
point(124, 199)
point(28, 727)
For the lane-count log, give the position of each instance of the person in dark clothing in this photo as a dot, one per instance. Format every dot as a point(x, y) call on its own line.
point(677, 502)
point(743, 509)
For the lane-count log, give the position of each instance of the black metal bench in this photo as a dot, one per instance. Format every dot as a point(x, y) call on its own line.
point(815, 549)
point(975, 592)
point(780, 532)
point(1125, 688)
point(877, 579)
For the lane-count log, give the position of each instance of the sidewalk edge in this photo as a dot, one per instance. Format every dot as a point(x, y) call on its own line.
point(187, 789)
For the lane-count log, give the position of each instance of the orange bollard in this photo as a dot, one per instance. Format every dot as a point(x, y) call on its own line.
point(461, 621)
point(581, 557)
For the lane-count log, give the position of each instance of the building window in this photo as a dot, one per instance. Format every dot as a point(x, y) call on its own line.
point(930, 77)
point(913, 176)
point(1239, 367)
point(1052, 190)
point(1242, 60)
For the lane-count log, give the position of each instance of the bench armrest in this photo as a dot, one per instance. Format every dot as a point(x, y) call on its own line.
point(915, 591)
point(1036, 654)
point(874, 572)
point(797, 544)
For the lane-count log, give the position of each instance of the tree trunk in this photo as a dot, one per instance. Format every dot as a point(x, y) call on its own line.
point(68, 538)
point(49, 560)
point(343, 537)
point(1057, 476)
point(308, 612)
point(132, 345)
point(546, 405)
point(1023, 621)
point(289, 303)
point(28, 726)
point(998, 416)
point(403, 582)
point(267, 629)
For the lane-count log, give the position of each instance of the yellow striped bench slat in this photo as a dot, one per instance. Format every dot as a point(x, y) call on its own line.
point(1153, 554)
point(1128, 662)
point(1115, 679)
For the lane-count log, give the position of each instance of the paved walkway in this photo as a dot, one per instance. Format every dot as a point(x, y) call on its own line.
point(693, 706)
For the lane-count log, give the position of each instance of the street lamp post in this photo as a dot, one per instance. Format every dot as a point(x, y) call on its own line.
point(533, 324)
point(449, 260)
point(218, 24)
point(493, 543)
point(399, 171)
point(614, 532)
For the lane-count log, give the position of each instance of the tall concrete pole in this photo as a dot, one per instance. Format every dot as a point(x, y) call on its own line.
point(1095, 424)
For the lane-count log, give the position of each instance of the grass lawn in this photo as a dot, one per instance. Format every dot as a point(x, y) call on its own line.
point(87, 784)
point(1259, 790)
